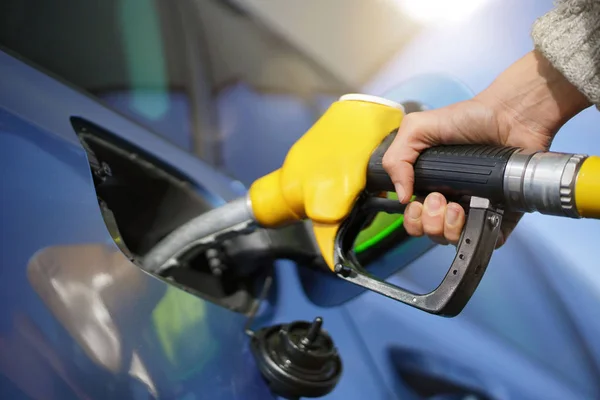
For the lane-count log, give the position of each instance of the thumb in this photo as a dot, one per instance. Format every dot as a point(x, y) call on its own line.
point(418, 131)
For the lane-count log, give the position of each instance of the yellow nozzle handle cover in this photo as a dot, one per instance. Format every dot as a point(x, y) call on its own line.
point(587, 188)
point(325, 170)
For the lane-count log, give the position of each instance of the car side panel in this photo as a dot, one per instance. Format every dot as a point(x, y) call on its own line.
point(77, 319)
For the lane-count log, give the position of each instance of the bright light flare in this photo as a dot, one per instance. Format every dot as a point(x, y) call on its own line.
point(439, 11)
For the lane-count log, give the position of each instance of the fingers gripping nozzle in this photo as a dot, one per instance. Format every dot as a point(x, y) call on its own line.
point(497, 179)
point(514, 179)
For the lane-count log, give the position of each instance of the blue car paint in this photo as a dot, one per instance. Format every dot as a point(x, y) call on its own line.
point(49, 202)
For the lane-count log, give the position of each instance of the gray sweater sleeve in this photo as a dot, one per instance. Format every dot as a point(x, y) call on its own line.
point(569, 37)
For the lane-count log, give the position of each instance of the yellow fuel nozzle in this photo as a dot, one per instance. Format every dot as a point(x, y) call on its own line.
point(326, 169)
point(321, 178)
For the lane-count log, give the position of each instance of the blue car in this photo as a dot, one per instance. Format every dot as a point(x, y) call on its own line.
point(121, 120)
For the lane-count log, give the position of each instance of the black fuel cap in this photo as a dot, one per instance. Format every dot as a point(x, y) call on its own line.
point(297, 359)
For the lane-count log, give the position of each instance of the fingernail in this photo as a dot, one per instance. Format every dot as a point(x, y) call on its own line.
point(400, 191)
point(433, 202)
point(451, 215)
point(414, 211)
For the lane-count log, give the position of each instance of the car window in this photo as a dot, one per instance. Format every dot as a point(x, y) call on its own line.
point(203, 74)
point(126, 53)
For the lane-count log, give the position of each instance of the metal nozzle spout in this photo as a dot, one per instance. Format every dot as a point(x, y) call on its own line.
point(542, 182)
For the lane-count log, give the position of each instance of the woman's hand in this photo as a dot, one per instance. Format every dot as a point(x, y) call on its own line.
point(524, 107)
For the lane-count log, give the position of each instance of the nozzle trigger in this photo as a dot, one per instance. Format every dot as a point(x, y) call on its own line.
point(473, 254)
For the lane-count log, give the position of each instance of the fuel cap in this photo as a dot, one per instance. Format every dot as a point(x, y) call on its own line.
point(297, 359)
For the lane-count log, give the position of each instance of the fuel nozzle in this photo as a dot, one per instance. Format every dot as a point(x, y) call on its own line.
point(323, 179)
point(497, 179)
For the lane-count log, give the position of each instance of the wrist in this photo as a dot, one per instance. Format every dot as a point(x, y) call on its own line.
point(532, 95)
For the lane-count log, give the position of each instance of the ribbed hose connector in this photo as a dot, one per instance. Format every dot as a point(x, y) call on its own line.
point(542, 182)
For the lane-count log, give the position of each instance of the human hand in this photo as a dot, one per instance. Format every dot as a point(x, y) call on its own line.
point(524, 107)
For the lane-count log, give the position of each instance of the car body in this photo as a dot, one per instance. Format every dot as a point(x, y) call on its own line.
point(80, 320)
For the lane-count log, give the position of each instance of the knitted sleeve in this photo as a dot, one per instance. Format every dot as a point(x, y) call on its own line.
point(569, 37)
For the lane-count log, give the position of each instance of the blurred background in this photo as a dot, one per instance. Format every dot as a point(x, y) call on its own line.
point(217, 77)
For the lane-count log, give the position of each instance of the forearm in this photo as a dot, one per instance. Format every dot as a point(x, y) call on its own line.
point(535, 94)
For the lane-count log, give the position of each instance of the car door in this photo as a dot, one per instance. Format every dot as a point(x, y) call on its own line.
point(79, 318)
point(100, 169)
